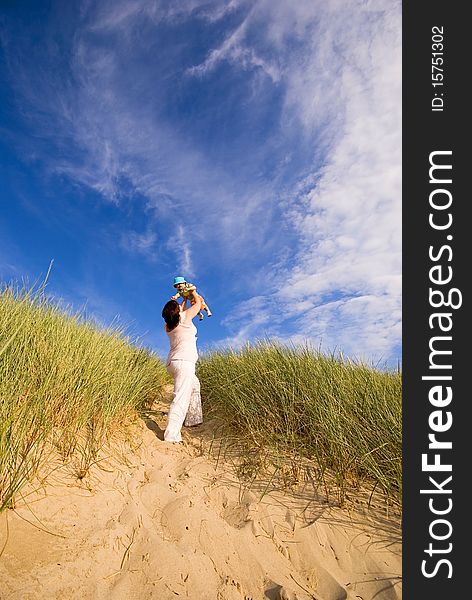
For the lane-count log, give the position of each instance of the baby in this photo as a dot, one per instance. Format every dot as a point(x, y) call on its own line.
point(184, 290)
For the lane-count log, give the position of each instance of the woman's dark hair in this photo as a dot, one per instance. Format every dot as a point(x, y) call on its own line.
point(171, 314)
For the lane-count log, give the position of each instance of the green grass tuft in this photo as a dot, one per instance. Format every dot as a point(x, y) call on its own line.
point(344, 416)
point(64, 383)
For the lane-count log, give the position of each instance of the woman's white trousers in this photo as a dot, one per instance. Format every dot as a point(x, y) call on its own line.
point(186, 406)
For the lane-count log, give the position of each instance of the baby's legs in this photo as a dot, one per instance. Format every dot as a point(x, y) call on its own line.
point(205, 308)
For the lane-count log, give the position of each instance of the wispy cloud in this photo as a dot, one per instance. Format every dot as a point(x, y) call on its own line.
point(234, 49)
point(141, 243)
point(283, 168)
point(180, 244)
point(114, 140)
point(343, 286)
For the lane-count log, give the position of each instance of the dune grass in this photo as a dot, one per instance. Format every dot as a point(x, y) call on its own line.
point(296, 402)
point(65, 385)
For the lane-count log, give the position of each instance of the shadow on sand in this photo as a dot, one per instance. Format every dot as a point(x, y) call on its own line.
point(148, 417)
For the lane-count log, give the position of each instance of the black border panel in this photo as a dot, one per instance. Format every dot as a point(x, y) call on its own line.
point(436, 323)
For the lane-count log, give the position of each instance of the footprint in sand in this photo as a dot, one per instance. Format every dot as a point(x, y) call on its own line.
point(178, 519)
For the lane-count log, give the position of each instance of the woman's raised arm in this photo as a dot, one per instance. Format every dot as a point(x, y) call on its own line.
point(194, 308)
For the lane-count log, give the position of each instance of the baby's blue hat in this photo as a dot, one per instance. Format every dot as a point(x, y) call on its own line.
point(178, 280)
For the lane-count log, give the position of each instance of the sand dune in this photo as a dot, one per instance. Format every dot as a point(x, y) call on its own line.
point(163, 522)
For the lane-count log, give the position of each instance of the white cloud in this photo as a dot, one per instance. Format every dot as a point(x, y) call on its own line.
point(122, 15)
point(343, 287)
point(141, 243)
point(352, 225)
point(115, 141)
point(180, 244)
point(235, 50)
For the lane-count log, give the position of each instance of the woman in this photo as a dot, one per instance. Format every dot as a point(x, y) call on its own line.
point(186, 407)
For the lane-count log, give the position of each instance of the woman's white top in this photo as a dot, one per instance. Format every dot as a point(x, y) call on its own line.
point(183, 342)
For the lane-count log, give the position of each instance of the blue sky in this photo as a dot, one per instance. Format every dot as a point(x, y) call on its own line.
point(253, 147)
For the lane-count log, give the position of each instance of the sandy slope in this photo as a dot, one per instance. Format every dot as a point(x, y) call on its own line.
point(165, 524)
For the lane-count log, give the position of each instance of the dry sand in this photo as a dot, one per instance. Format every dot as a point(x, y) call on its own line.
point(168, 523)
